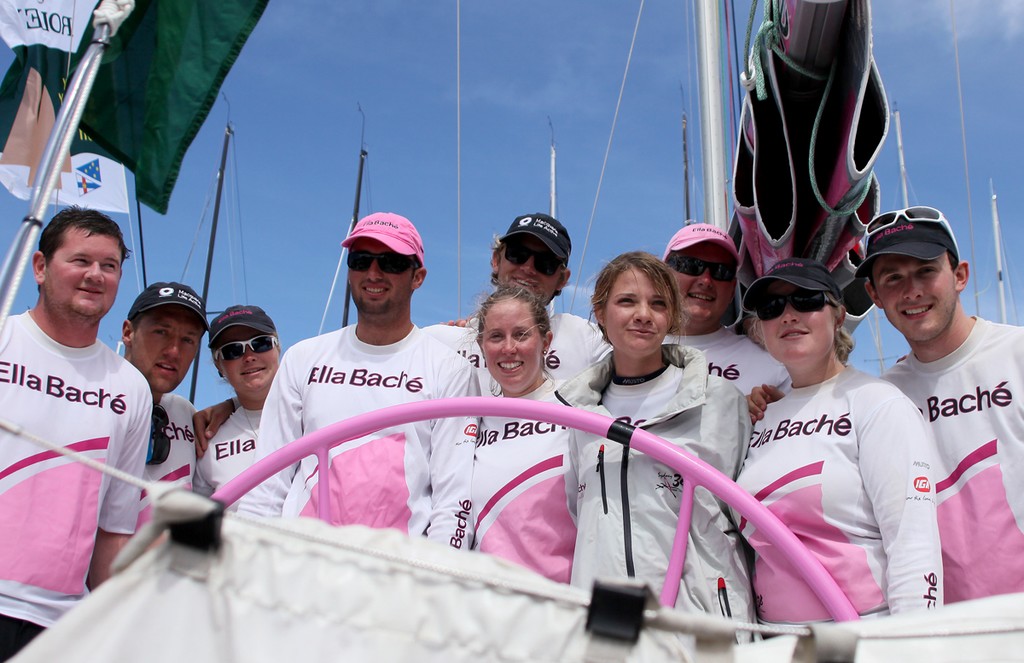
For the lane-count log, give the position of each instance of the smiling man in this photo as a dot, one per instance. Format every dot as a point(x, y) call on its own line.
point(966, 375)
point(161, 336)
point(415, 477)
point(62, 523)
point(705, 260)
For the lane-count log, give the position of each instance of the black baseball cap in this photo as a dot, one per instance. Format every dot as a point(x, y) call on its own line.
point(169, 292)
point(801, 272)
point(917, 232)
point(545, 228)
point(241, 316)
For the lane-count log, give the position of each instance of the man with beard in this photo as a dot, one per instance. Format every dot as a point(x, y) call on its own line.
point(414, 477)
point(62, 523)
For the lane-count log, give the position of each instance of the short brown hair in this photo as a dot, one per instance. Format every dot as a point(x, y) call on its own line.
point(656, 271)
point(88, 221)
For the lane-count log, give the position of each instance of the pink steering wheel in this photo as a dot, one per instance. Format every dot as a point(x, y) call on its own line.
point(695, 472)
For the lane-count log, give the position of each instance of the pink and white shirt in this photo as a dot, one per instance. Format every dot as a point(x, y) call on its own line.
point(737, 359)
point(848, 465)
point(415, 477)
point(232, 450)
point(87, 399)
point(181, 460)
point(519, 504)
point(972, 399)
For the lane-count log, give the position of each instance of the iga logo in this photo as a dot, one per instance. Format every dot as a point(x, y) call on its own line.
point(922, 485)
point(470, 431)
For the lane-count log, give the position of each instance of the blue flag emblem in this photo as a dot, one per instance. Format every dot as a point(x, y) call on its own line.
point(88, 177)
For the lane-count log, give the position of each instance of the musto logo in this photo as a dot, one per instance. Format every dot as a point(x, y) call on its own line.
point(922, 485)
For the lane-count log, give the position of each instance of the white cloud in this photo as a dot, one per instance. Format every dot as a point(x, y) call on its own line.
point(975, 19)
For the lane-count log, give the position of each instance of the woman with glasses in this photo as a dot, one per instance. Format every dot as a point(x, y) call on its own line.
point(626, 504)
point(519, 503)
point(845, 460)
point(246, 351)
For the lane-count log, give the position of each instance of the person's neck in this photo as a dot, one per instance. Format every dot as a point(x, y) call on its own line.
point(373, 333)
point(815, 374)
point(700, 330)
point(634, 367)
point(252, 401)
point(947, 342)
point(80, 333)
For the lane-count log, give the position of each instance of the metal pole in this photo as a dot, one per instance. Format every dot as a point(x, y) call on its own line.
point(57, 147)
point(707, 14)
point(355, 218)
point(903, 164)
point(686, 175)
point(228, 132)
point(554, 196)
point(998, 236)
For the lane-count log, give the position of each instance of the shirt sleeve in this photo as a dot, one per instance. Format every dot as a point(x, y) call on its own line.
point(452, 447)
point(897, 458)
point(281, 424)
point(119, 511)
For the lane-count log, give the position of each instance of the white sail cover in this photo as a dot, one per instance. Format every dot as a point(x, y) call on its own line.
point(300, 590)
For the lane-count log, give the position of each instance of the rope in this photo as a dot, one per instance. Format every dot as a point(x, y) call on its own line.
point(768, 37)
point(607, 151)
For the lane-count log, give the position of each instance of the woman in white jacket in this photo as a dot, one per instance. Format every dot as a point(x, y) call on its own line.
point(626, 505)
point(845, 460)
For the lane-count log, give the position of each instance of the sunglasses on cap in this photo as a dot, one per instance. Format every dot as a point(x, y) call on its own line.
point(804, 301)
point(235, 349)
point(389, 263)
point(695, 267)
point(919, 214)
point(159, 442)
point(545, 262)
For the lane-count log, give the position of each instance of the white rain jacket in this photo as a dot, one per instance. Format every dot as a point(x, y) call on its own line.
point(630, 520)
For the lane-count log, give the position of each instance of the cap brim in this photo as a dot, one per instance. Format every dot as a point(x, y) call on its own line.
point(258, 327)
point(548, 242)
point(919, 250)
point(758, 288)
point(202, 318)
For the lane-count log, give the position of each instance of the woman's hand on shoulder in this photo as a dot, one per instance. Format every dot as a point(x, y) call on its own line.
point(208, 421)
point(759, 400)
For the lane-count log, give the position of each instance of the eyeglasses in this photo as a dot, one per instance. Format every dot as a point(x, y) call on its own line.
point(159, 442)
point(804, 301)
point(235, 349)
point(695, 267)
point(919, 214)
point(545, 262)
point(389, 263)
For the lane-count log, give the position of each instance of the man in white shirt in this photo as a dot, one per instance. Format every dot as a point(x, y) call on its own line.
point(161, 336)
point(534, 255)
point(61, 522)
point(705, 259)
point(966, 375)
point(413, 477)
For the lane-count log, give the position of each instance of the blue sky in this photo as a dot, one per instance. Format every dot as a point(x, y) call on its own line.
point(294, 98)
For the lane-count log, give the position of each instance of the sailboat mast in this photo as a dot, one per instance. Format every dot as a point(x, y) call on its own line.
point(553, 211)
point(903, 164)
point(998, 239)
point(709, 26)
point(686, 175)
point(228, 132)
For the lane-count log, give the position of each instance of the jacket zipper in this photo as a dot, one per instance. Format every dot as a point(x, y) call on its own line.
point(627, 527)
point(600, 471)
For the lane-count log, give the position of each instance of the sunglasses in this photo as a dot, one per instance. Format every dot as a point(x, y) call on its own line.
point(804, 301)
point(919, 214)
point(695, 267)
point(545, 262)
point(235, 349)
point(389, 263)
point(159, 442)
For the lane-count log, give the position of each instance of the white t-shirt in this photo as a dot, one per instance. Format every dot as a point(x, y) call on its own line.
point(848, 466)
point(737, 359)
point(87, 399)
point(519, 503)
point(232, 450)
point(972, 398)
point(415, 477)
point(575, 345)
point(181, 460)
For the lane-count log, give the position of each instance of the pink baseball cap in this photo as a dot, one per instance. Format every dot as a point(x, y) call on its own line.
point(393, 231)
point(698, 233)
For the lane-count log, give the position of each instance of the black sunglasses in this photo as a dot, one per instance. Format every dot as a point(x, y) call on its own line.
point(695, 267)
point(159, 443)
point(804, 301)
point(236, 349)
point(389, 263)
point(545, 262)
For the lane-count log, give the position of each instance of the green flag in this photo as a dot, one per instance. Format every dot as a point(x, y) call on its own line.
point(167, 64)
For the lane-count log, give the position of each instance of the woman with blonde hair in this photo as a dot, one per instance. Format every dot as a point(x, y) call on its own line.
point(626, 505)
point(844, 459)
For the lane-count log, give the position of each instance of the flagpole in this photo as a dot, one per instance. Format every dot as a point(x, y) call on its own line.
point(228, 132)
point(58, 145)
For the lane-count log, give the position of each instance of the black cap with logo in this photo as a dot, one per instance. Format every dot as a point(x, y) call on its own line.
point(169, 292)
point(801, 272)
point(241, 316)
point(545, 228)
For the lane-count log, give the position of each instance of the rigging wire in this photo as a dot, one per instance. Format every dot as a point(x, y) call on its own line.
point(963, 140)
point(131, 238)
point(607, 151)
point(238, 215)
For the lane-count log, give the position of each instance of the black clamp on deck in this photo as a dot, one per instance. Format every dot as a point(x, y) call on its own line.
point(617, 610)
point(200, 533)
